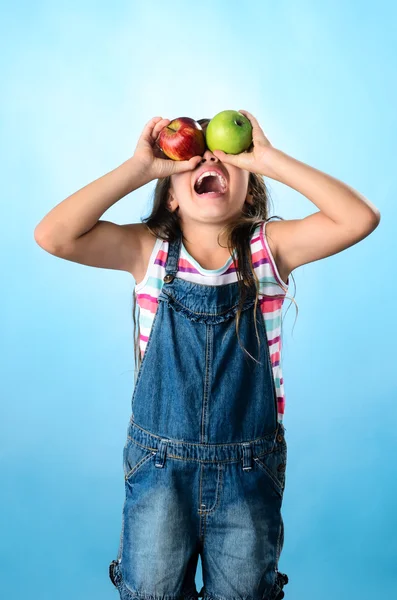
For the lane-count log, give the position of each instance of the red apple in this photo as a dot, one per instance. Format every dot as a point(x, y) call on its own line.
point(182, 139)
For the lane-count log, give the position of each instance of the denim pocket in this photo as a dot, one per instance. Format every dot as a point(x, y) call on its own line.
point(274, 465)
point(135, 457)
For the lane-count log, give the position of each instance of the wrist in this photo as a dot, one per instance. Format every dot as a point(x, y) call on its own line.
point(137, 173)
point(271, 162)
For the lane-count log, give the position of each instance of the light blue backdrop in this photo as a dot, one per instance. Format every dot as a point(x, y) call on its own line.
point(79, 82)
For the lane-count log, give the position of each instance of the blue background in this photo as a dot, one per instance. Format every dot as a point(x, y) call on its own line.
point(79, 82)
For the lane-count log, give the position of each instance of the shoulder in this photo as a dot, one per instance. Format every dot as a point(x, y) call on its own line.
point(271, 232)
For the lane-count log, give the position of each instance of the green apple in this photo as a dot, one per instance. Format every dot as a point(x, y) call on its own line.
point(229, 131)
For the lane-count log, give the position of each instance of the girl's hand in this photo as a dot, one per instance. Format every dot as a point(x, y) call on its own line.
point(154, 163)
point(253, 159)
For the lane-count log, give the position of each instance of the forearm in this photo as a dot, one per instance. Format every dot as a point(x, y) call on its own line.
point(337, 200)
point(79, 212)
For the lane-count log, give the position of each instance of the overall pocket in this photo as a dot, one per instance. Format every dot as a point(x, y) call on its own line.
point(274, 464)
point(135, 457)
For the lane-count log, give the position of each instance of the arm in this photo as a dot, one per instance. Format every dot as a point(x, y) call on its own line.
point(345, 216)
point(72, 229)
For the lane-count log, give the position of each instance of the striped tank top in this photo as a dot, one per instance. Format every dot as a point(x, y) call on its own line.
point(148, 290)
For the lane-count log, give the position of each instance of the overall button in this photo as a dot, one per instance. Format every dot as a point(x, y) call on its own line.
point(168, 278)
point(279, 437)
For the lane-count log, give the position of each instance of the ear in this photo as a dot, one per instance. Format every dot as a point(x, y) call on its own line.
point(172, 204)
point(250, 198)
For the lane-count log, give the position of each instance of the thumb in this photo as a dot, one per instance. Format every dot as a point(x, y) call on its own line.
point(187, 165)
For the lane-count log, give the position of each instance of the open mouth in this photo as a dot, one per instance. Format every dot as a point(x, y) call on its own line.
point(210, 184)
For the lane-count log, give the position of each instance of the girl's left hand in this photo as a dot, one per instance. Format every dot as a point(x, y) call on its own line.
point(253, 159)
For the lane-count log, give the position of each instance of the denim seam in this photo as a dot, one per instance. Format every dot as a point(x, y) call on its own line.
point(136, 468)
point(265, 468)
point(278, 548)
point(121, 542)
point(263, 326)
point(201, 460)
point(207, 371)
point(219, 484)
point(140, 445)
point(217, 314)
point(144, 359)
point(266, 437)
point(181, 442)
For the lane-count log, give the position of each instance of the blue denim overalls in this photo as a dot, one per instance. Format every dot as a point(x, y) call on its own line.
point(205, 456)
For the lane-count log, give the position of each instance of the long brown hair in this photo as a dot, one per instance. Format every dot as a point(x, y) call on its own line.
point(165, 224)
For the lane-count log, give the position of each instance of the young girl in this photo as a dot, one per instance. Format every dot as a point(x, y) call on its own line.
point(205, 456)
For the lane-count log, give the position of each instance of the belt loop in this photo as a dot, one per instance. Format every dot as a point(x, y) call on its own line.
point(161, 454)
point(247, 456)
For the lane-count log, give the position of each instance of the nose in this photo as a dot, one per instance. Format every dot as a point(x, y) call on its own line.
point(208, 156)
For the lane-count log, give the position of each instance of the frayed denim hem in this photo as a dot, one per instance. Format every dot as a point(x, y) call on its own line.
point(127, 594)
point(276, 593)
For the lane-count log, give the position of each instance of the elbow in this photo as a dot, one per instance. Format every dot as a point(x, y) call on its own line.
point(375, 219)
point(45, 241)
point(371, 220)
point(371, 224)
point(376, 215)
point(40, 237)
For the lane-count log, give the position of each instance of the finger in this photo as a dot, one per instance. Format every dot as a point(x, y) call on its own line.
point(258, 134)
point(248, 115)
point(187, 165)
point(147, 130)
point(158, 127)
point(231, 159)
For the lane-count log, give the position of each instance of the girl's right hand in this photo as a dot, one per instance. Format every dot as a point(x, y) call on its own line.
point(148, 154)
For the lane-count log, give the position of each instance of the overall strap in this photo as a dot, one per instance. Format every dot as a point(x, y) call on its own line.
point(171, 267)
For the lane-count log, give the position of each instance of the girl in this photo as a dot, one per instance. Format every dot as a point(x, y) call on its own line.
point(205, 456)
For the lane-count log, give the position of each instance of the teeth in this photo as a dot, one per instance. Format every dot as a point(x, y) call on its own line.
point(214, 173)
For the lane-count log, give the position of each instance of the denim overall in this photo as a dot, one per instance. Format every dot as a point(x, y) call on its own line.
point(205, 456)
